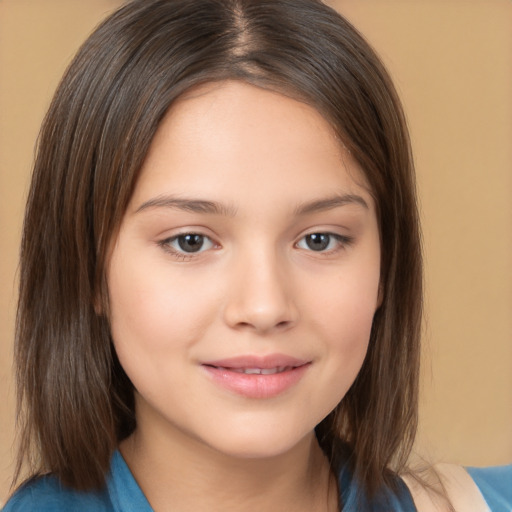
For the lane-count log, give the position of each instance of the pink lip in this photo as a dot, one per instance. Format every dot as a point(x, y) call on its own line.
point(249, 361)
point(228, 374)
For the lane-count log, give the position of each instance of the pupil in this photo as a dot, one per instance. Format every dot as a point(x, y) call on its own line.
point(317, 241)
point(190, 243)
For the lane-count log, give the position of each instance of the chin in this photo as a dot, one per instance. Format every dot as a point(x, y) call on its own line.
point(263, 443)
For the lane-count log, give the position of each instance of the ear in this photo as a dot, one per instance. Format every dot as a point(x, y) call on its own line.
point(100, 302)
point(97, 305)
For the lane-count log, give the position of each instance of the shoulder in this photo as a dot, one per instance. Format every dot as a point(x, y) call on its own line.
point(47, 494)
point(459, 486)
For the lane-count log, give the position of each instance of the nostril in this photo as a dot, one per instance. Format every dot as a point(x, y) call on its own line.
point(262, 308)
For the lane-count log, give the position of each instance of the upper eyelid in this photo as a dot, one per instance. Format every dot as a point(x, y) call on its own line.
point(201, 231)
point(172, 238)
point(343, 242)
point(165, 245)
point(185, 233)
point(339, 232)
point(186, 230)
point(341, 238)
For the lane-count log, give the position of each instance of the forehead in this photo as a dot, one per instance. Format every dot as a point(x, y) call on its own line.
point(229, 136)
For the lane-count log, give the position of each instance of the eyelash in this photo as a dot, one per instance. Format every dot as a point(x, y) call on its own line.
point(182, 255)
point(342, 241)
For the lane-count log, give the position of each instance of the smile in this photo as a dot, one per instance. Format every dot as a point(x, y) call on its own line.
point(257, 377)
point(259, 371)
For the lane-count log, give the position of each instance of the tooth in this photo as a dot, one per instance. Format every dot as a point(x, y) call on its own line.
point(251, 371)
point(269, 371)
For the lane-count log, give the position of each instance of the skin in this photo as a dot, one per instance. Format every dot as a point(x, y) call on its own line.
point(460, 488)
point(276, 171)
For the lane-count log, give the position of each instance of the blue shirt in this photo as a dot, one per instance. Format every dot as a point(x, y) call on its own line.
point(46, 494)
point(495, 485)
point(122, 493)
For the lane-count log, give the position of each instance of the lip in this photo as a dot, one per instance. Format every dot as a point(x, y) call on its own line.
point(286, 372)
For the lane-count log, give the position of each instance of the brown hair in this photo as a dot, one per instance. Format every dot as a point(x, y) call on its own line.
point(75, 402)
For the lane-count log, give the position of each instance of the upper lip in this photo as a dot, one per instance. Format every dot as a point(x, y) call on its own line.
point(255, 361)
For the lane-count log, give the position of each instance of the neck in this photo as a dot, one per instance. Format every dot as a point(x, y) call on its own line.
point(181, 474)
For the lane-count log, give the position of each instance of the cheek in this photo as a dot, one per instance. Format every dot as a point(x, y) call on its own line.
point(344, 307)
point(153, 310)
point(349, 346)
point(343, 315)
point(348, 335)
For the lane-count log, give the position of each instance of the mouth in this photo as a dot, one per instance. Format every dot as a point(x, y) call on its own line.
point(257, 371)
point(257, 377)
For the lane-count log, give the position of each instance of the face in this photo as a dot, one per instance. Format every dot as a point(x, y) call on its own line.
point(245, 275)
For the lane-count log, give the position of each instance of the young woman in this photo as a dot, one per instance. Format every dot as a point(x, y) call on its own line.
point(220, 295)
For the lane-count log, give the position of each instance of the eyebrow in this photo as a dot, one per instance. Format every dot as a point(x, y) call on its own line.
point(188, 205)
point(213, 207)
point(329, 203)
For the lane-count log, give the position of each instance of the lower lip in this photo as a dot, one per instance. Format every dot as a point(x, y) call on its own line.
point(257, 385)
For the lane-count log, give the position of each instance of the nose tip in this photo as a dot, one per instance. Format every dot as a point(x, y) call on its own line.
point(261, 301)
point(260, 321)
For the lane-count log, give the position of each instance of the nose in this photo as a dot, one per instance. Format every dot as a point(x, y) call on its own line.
point(260, 296)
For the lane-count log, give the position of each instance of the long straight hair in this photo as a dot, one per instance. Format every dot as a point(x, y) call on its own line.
point(75, 403)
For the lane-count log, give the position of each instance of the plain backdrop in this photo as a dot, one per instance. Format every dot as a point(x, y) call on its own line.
point(452, 63)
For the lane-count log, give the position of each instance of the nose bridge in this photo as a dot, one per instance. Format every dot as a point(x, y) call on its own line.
point(260, 295)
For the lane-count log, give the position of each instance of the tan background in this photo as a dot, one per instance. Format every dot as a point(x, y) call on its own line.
point(452, 63)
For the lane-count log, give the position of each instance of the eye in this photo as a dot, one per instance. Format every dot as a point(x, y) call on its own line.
point(187, 243)
point(322, 242)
